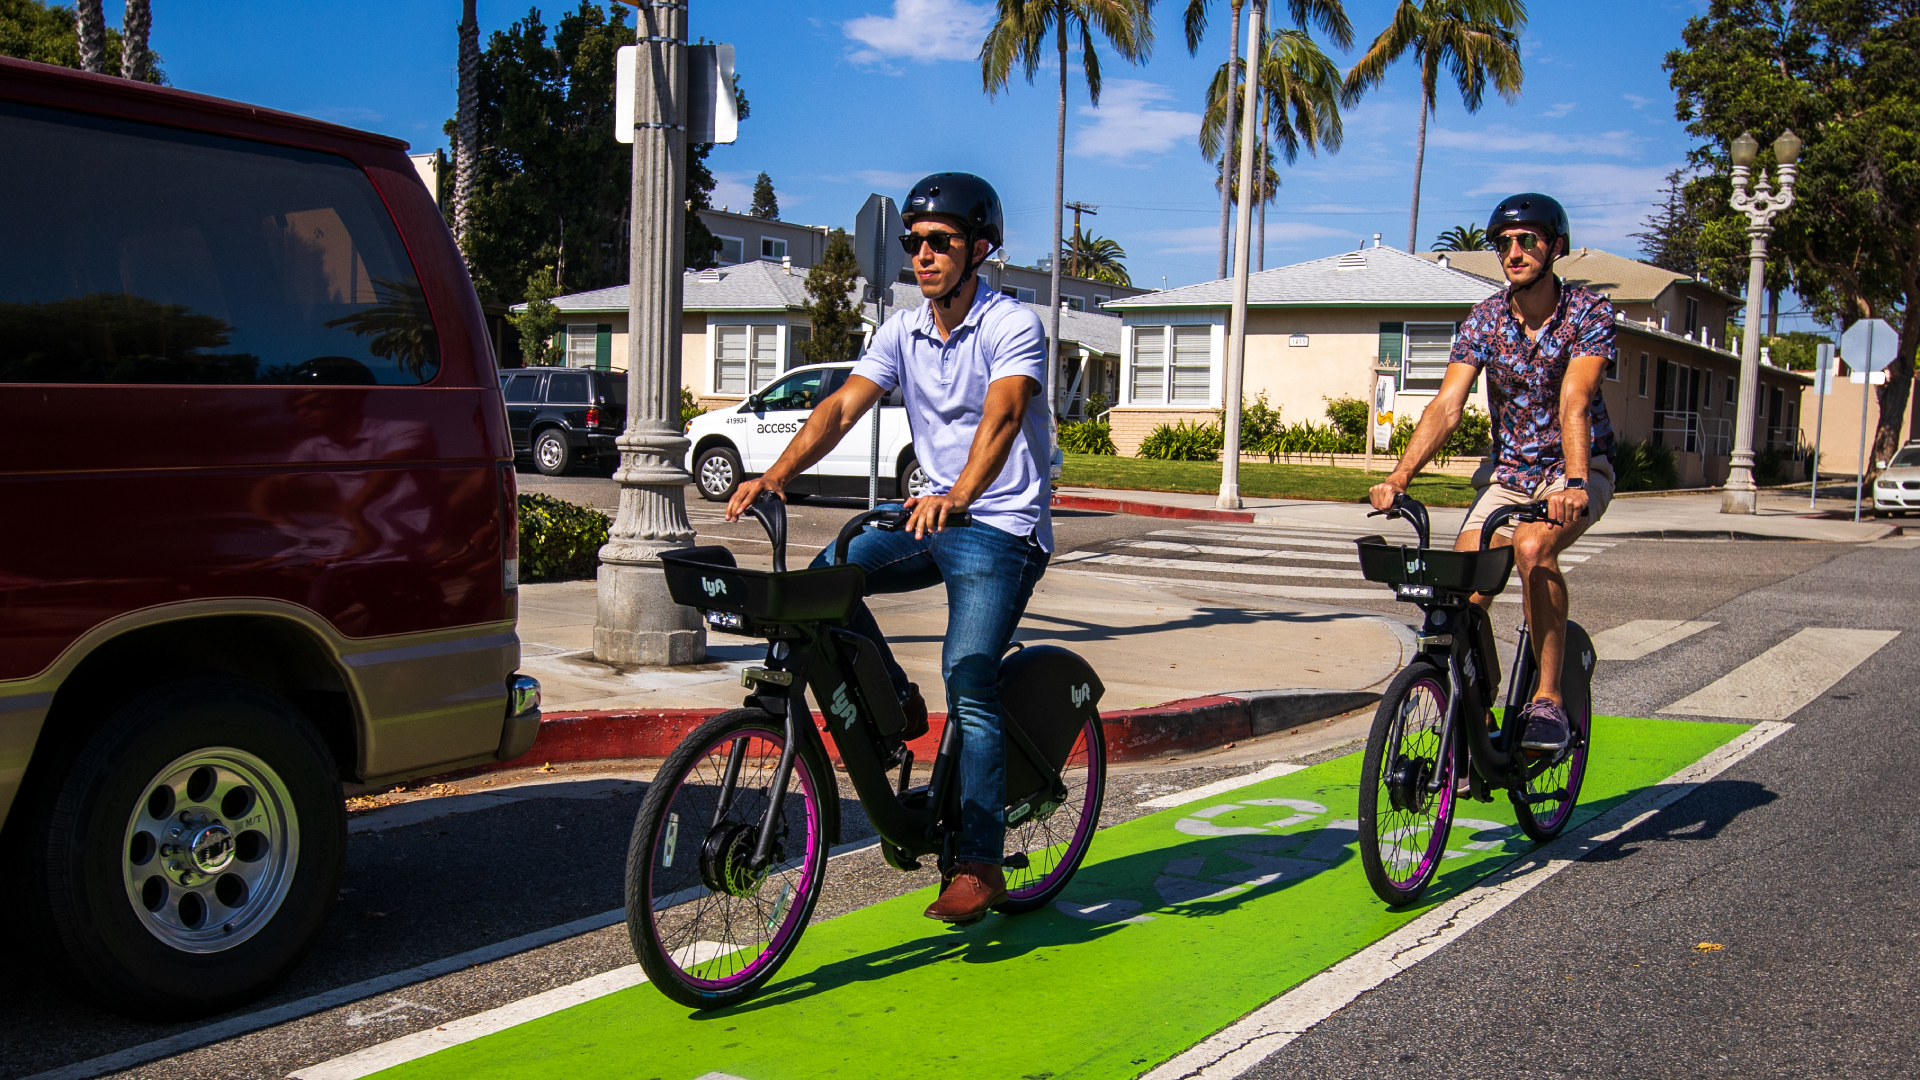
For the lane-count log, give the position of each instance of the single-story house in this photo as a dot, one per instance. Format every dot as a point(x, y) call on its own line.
point(1322, 329)
point(742, 326)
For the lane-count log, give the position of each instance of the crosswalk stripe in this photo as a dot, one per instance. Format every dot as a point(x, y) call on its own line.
point(1582, 545)
point(1641, 637)
point(1784, 679)
point(1195, 566)
point(1296, 541)
point(1259, 553)
point(1252, 588)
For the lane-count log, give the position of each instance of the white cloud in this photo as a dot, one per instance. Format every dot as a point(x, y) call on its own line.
point(1605, 202)
point(1501, 139)
point(1205, 239)
point(920, 30)
point(1637, 101)
point(1561, 108)
point(733, 191)
point(885, 182)
point(1130, 121)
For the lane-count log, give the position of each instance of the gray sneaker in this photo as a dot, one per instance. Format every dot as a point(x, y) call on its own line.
point(1547, 728)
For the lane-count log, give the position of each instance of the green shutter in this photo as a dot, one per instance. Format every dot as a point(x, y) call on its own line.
point(603, 346)
point(1392, 337)
point(560, 345)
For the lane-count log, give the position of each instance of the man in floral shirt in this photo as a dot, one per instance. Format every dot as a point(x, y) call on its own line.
point(1544, 345)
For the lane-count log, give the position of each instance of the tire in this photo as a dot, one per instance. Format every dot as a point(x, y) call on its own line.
point(1056, 843)
point(552, 454)
point(1565, 772)
point(912, 480)
point(679, 868)
point(1395, 807)
point(717, 473)
point(169, 935)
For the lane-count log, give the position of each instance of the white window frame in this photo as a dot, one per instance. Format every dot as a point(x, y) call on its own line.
point(1406, 356)
point(1074, 303)
point(721, 255)
point(579, 335)
point(1025, 296)
point(761, 370)
point(1167, 322)
point(773, 248)
point(1646, 365)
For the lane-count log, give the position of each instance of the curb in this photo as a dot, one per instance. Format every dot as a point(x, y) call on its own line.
point(1172, 728)
point(1723, 534)
point(1144, 509)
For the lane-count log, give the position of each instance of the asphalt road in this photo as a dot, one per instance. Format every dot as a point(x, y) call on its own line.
point(1799, 860)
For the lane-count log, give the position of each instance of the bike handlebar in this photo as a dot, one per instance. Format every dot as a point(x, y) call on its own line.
point(1406, 506)
point(891, 519)
point(771, 510)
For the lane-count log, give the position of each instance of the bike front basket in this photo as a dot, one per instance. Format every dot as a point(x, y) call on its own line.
point(707, 578)
point(1440, 569)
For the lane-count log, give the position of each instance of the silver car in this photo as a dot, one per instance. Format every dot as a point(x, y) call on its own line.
point(1897, 491)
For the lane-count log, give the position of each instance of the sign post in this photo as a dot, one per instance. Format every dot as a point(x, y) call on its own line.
point(1822, 383)
point(879, 254)
point(1875, 343)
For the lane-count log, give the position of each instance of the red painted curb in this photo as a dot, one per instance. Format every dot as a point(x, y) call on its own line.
point(1145, 509)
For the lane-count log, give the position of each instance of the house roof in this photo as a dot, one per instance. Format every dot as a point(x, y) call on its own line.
point(1096, 331)
point(1624, 280)
point(1374, 276)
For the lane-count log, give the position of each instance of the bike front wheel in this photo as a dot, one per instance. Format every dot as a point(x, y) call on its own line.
point(1056, 842)
point(708, 926)
point(1406, 786)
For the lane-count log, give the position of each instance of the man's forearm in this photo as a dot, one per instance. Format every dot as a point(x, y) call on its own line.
point(1576, 438)
point(992, 441)
point(822, 432)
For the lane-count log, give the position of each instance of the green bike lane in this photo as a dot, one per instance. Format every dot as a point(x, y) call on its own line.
point(1179, 924)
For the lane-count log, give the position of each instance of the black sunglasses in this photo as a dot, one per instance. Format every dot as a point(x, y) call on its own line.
point(940, 242)
point(1527, 241)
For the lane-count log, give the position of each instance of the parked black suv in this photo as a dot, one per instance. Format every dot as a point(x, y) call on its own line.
point(560, 415)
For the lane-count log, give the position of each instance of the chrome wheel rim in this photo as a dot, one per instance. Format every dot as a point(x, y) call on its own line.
point(210, 850)
point(550, 452)
point(716, 474)
point(917, 482)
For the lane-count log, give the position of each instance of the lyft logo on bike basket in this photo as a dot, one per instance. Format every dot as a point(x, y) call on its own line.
point(714, 586)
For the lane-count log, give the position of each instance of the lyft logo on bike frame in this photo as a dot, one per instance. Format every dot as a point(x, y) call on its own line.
point(841, 707)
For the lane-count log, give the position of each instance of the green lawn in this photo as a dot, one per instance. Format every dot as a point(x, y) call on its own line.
point(1326, 483)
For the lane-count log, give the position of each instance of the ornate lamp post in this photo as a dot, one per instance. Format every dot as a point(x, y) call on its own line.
point(1760, 205)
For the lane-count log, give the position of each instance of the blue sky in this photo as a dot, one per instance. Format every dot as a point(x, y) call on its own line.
point(852, 96)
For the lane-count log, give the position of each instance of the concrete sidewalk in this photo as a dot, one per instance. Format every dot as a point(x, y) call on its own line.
point(1687, 516)
point(1149, 647)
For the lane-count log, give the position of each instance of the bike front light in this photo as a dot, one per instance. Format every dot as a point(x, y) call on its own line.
point(1415, 592)
point(726, 620)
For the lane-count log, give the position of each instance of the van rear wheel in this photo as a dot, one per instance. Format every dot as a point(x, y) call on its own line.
point(187, 858)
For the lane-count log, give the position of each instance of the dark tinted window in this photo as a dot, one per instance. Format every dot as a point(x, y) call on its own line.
point(569, 387)
point(524, 388)
point(613, 389)
point(142, 254)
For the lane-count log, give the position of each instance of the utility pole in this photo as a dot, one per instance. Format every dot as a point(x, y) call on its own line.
point(1079, 208)
point(637, 621)
point(1237, 333)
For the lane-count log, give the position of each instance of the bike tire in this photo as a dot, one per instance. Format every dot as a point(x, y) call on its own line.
point(1055, 845)
point(1563, 773)
point(1412, 717)
point(685, 920)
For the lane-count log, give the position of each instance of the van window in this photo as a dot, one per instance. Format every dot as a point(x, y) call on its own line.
point(524, 388)
point(143, 254)
point(568, 387)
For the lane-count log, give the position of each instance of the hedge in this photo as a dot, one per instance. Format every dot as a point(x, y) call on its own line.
point(559, 540)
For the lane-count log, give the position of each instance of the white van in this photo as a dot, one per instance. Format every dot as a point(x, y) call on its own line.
point(737, 442)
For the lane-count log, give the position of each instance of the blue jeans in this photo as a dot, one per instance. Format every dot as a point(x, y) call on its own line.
point(989, 576)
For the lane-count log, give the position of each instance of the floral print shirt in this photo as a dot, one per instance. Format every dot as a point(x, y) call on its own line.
point(1524, 377)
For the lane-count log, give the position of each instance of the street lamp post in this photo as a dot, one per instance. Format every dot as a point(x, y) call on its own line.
point(637, 621)
point(1760, 205)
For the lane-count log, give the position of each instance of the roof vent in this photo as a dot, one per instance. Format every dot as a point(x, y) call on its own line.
point(1376, 239)
point(1352, 260)
point(1444, 264)
point(711, 275)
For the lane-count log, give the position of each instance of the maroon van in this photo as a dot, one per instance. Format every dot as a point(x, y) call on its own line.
point(257, 526)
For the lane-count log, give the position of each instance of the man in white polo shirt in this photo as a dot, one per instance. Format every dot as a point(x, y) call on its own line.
point(972, 366)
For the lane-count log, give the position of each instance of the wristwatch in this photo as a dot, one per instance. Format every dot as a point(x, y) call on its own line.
point(1576, 483)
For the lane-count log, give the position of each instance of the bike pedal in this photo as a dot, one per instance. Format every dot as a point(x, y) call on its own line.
point(1017, 861)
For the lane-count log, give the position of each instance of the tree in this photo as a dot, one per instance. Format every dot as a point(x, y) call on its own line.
point(32, 30)
point(1329, 15)
point(1476, 40)
point(466, 125)
point(832, 307)
point(1096, 258)
point(1672, 237)
point(1019, 36)
point(1842, 76)
point(765, 205)
point(91, 26)
point(540, 321)
point(136, 24)
point(1462, 238)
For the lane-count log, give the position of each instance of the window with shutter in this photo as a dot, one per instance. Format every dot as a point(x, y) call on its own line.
point(580, 345)
point(1192, 363)
point(603, 346)
point(1428, 346)
point(1149, 365)
point(730, 359)
point(1392, 335)
point(766, 355)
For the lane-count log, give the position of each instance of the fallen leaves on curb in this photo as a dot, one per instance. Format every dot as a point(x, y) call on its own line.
point(1708, 946)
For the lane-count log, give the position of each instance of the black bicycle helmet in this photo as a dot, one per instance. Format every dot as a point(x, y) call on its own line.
point(961, 197)
point(1530, 208)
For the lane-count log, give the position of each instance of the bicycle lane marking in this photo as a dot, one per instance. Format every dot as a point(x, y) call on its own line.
point(1180, 931)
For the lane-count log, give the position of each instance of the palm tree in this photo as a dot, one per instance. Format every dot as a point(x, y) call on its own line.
point(1019, 36)
point(1477, 40)
point(1095, 257)
point(136, 25)
point(466, 124)
point(1329, 15)
point(1462, 238)
point(1300, 96)
point(91, 28)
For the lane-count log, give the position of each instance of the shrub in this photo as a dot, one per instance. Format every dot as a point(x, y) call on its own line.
point(1349, 416)
point(1473, 436)
point(1259, 423)
point(688, 408)
point(559, 540)
point(1087, 437)
point(1184, 441)
point(1643, 466)
point(1772, 467)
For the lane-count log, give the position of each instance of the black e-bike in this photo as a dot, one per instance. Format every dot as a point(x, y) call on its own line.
point(729, 852)
point(1432, 723)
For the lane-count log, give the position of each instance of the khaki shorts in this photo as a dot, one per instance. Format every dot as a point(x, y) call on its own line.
point(1493, 496)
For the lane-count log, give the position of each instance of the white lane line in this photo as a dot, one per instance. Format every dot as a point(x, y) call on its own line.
point(1213, 568)
point(1349, 558)
point(1220, 787)
point(454, 1032)
point(1295, 541)
point(1784, 679)
point(1633, 640)
point(1245, 1044)
point(1283, 592)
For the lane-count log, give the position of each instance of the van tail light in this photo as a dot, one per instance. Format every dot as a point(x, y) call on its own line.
point(593, 417)
point(509, 530)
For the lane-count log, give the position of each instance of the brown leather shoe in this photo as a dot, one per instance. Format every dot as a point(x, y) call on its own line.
point(975, 888)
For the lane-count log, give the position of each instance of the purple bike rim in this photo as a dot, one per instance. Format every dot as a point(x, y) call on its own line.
point(1090, 798)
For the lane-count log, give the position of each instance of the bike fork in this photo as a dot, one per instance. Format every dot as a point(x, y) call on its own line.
point(777, 798)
